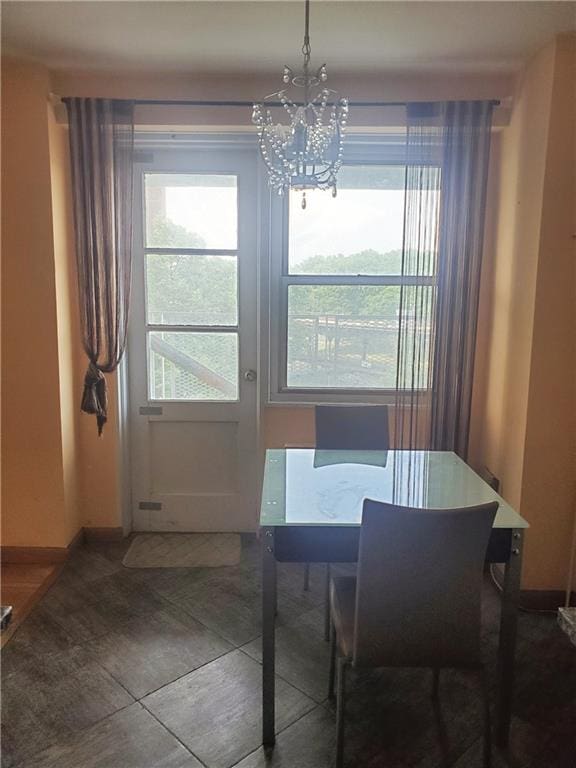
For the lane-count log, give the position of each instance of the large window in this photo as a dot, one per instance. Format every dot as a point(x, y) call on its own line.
point(338, 286)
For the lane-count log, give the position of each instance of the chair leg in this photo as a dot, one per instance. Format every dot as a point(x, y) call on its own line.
point(487, 723)
point(340, 702)
point(307, 577)
point(435, 683)
point(332, 671)
point(327, 621)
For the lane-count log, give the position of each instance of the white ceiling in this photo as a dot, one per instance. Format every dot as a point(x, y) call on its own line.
point(215, 37)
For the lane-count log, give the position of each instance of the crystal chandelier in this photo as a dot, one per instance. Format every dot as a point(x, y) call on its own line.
point(306, 153)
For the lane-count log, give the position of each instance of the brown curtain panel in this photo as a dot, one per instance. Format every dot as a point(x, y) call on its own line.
point(101, 149)
point(448, 150)
point(465, 158)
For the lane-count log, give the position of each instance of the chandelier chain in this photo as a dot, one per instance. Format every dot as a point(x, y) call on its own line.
point(306, 48)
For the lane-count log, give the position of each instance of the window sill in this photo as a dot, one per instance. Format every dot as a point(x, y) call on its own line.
point(308, 399)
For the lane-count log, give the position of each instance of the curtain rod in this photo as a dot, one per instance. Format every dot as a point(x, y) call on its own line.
point(193, 103)
point(228, 103)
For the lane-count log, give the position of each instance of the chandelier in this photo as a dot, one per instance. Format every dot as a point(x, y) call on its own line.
point(306, 153)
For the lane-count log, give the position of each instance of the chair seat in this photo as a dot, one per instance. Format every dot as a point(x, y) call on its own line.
point(342, 608)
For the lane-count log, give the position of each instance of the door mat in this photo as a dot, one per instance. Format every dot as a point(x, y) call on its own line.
point(183, 550)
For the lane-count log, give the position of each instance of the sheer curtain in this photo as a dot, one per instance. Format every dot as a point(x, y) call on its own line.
point(448, 146)
point(101, 149)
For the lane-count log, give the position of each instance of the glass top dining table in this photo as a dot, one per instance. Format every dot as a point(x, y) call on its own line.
point(326, 487)
point(311, 511)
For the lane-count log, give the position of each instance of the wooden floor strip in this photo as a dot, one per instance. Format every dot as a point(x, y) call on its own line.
point(21, 586)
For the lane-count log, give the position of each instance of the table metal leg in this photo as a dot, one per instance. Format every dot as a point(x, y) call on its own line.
point(507, 644)
point(268, 627)
point(327, 620)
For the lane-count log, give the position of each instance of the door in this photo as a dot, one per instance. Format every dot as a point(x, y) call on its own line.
point(192, 345)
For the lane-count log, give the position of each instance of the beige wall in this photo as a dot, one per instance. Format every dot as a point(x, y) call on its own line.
point(101, 486)
point(57, 475)
point(526, 378)
point(549, 477)
point(369, 87)
point(67, 321)
point(509, 274)
point(393, 86)
point(33, 486)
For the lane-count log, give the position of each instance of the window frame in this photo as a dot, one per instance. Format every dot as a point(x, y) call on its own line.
point(382, 149)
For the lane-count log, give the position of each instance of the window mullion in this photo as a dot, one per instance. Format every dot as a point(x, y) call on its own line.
point(160, 327)
point(286, 280)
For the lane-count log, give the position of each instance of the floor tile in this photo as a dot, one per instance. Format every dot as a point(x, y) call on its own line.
point(186, 582)
point(393, 721)
point(229, 601)
point(165, 582)
point(96, 561)
point(47, 699)
point(131, 738)
point(144, 654)
point(87, 611)
point(290, 577)
point(228, 606)
point(216, 710)
point(40, 635)
point(302, 657)
point(473, 757)
point(21, 586)
point(113, 550)
point(308, 743)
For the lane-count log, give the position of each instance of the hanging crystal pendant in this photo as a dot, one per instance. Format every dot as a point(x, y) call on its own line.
point(307, 152)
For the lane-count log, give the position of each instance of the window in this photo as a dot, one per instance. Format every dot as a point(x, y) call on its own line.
point(191, 280)
point(338, 286)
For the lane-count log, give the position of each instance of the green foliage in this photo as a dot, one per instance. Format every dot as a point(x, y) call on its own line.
point(188, 289)
point(202, 289)
point(192, 289)
point(375, 301)
point(164, 233)
point(368, 262)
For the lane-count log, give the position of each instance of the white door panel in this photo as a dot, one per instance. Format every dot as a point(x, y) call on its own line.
point(192, 343)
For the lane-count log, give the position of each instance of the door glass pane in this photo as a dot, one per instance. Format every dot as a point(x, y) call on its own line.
point(360, 231)
point(186, 210)
point(343, 336)
point(193, 366)
point(191, 290)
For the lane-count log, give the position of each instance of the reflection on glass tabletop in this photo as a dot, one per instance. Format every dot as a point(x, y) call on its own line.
point(319, 487)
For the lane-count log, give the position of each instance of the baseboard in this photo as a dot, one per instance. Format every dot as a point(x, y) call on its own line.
point(544, 599)
point(41, 555)
point(104, 534)
point(535, 599)
point(34, 555)
point(22, 610)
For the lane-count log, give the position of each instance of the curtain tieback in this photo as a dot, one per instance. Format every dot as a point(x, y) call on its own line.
point(95, 399)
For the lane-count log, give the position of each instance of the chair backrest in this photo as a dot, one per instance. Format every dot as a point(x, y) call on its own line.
point(418, 593)
point(352, 427)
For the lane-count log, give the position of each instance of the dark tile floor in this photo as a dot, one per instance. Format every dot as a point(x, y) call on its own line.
point(123, 668)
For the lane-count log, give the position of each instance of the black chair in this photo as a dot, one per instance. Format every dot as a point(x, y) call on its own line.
point(352, 428)
point(416, 599)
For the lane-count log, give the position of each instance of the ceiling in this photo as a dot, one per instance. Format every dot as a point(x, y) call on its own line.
point(233, 35)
